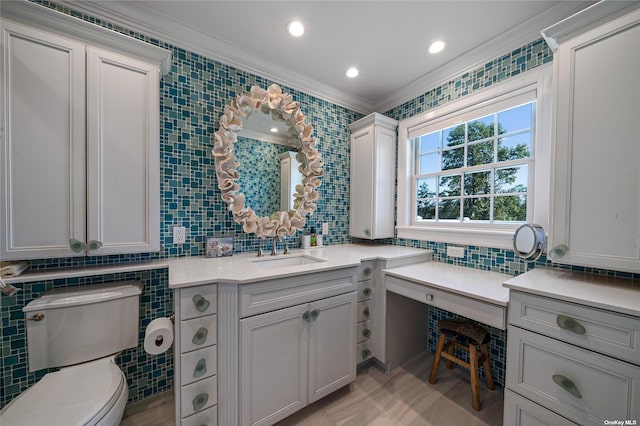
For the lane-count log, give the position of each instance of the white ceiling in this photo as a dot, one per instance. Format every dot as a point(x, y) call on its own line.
point(386, 40)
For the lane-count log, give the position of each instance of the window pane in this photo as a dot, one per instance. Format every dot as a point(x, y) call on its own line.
point(514, 147)
point(513, 119)
point(511, 179)
point(477, 183)
point(453, 135)
point(429, 163)
point(449, 186)
point(430, 142)
point(426, 188)
point(476, 208)
point(426, 209)
point(480, 153)
point(481, 128)
point(449, 209)
point(453, 158)
point(510, 208)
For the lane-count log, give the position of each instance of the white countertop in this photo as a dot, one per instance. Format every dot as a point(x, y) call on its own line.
point(614, 294)
point(475, 283)
point(243, 268)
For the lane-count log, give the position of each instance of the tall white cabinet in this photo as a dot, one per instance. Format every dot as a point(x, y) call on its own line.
point(80, 148)
point(596, 189)
point(373, 153)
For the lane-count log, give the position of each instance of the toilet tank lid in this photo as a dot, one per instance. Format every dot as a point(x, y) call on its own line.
point(84, 295)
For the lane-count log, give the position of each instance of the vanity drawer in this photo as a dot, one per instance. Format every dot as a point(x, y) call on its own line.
point(363, 331)
point(198, 365)
point(197, 333)
point(365, 270)
point(199, 396)
point(365, 290)
point(272, 295)
point(603, 331)
point(519, 411)
point(208, 417)
point(583, 386)
point(198, 301)
point(363, 351)
point(364, 311)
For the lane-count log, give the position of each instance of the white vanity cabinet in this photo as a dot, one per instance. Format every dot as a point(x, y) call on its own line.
point(596, 175)
point(80, 150)
point(373, 147)
point(284, 343)
point(195, 362)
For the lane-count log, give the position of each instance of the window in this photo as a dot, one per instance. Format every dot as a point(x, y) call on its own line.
point(475, 169)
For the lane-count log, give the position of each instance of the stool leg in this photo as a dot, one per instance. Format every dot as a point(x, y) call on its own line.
point(487, 367)
point(451, 349)
point(436, 359)
point(473, 363)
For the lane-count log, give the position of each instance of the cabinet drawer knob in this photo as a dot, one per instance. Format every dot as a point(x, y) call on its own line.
point(367, 232)
point(76, 246)
point(366, 292)
point(366, 353)
point(306, 316)
point(568, 323)
point(200, 336)
point(366, 312)
point(429, 297)
point(315, 314)
point(367, 271)
point(200, 303)
point(201, 368)
point(366, 333)
point(567, 384)
point(200, 401)
point(94, 245)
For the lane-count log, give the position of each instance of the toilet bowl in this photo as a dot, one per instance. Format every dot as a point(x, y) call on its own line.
point(78, 330)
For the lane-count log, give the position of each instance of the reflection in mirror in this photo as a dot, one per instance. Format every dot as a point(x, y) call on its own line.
point(253, 110)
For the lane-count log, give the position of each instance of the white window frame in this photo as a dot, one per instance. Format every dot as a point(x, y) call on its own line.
point(473, 233)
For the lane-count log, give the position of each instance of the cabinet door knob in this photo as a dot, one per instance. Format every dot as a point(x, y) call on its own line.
point(94, 245)
point(200, 303)
point(76, 246)
point(558, 251)
point(306, 316)
point(366, 292)
point(567, 384)
point(366, 333)
point(366, 353)
point(200, 337)
point(201, 368)
point(568, 323)
point(366, 312)
point(367, 232)
point(315, 314)
point(200, 401)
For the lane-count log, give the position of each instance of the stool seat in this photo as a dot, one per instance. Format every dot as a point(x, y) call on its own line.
point(466, 336)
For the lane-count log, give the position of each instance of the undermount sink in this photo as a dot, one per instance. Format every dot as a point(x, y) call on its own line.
point(286, 260)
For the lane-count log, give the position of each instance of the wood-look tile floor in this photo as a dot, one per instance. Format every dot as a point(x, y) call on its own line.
point(402, 397)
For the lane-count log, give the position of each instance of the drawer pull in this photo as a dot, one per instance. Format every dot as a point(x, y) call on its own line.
point(200, 303)
point(366, 353)
point(201, 368)
point(315, 314)
point(567, 384)
point(200, 401)
point(367, 271)
point(306, 316)
point(366, 333)
point(366, 292)
point(200, 337)
point(428, 297)
point(568, 323)
point(366, 312)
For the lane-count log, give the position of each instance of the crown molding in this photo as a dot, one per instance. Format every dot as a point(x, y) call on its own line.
point(516, 37)
point(153, 24)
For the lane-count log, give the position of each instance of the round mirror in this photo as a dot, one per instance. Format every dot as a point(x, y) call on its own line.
point(529, 241)
point(239, 114)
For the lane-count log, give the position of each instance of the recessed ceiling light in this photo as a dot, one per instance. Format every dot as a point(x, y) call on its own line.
point(274, 130)
point(295, 28)
point(436, 46)
point(352, 72)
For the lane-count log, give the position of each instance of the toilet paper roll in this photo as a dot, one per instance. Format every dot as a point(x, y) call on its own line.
point(158, 336)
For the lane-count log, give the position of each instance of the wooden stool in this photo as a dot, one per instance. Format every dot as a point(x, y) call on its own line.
point(467, 336)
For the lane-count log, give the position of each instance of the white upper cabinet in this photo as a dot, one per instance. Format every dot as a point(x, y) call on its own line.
point(373, 148)
point(79, 148)
point(596, 180)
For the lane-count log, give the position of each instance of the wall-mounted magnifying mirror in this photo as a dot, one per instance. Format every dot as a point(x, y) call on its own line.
point(529, 241)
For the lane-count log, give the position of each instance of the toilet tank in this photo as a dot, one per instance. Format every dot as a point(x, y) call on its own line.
point(78, 324)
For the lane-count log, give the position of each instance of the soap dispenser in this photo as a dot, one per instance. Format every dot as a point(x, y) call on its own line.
point(314, 238)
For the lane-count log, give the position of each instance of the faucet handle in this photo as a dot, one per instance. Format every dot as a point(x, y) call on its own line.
point(286, 248)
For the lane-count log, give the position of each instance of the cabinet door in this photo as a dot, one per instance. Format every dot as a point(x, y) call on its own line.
point(273, 365)
point(42, 151)
point(332, 344)
point(384, 182)
point(361, 219)
point(123, 153)
point(596, 200)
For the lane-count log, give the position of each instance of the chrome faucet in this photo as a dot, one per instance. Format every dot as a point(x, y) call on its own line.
point(274, 247)
point(286, 247)
point(259, 248)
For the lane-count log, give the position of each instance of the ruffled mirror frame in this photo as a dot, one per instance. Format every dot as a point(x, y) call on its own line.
point(282, 107)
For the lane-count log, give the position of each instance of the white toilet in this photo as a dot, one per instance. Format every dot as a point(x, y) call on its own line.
point(82, 330)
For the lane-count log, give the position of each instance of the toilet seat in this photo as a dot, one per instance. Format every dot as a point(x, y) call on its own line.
point(82, 394)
